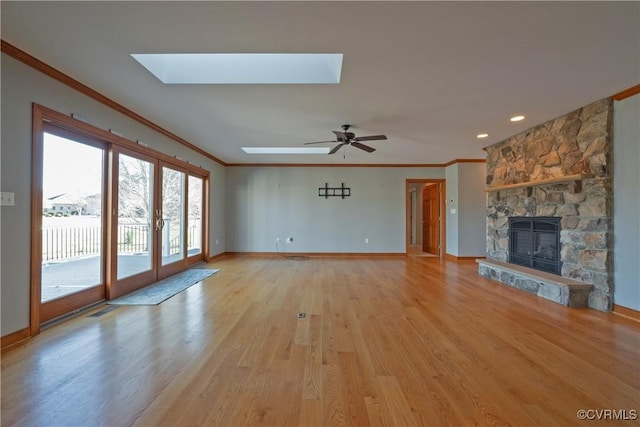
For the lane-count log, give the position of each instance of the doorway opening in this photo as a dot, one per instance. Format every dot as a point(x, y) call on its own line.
point(425, 217)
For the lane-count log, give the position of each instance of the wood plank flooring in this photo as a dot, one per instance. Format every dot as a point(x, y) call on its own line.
point(386, 341)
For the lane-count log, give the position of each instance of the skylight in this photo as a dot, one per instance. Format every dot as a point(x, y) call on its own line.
point(243, 68)
point(286, 150)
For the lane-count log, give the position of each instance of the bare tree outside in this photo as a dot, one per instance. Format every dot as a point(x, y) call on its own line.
point(135, 197)
point(173, 196)
point(135, 215)
point(194, 212)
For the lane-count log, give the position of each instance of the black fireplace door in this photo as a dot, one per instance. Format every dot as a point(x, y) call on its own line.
point(535, 242)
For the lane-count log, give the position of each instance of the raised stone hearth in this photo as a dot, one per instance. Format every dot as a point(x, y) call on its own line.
point(567, 292)
point(560, 168)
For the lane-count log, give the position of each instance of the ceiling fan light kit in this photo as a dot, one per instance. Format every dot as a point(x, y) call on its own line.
point(349, 138)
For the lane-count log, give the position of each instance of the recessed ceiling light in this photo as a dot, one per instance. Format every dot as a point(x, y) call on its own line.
point(482, 135)
point(243, 68)
point(516, 118)
point(286, 150)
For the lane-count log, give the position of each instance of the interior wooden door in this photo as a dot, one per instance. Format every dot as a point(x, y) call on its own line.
point(431, 219)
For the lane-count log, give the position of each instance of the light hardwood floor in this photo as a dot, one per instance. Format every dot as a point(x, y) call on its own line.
point(416, 250)
point(415, 341)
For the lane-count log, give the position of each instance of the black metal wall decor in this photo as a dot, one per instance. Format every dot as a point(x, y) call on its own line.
point(327, 191)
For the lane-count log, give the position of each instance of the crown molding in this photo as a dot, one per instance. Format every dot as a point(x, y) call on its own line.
point(627, 93)
point(38, 65)
point(357, 165)
point(453, 162)
point(338, 165)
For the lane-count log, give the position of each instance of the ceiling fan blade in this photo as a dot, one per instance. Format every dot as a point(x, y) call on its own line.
point(371, 138)
point(319, 142)
point(340, 135)
point(362, 147)
point(336, 148)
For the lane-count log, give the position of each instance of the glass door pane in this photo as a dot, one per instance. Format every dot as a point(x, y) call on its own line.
point(173, 211)
point(135, 216)
point(72, 223)
point(194, 213)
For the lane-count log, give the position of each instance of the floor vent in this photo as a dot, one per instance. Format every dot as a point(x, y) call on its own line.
point(103, 312)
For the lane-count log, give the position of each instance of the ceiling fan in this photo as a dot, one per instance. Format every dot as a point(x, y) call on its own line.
point(349, 138)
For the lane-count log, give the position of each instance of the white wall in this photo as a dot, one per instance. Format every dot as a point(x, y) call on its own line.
point(466, 228)
point(451, 174)
point(264, 203)
point(22, 85)
point(419, 213)
point(472, 209)
point(417, 187)
point(626, 203)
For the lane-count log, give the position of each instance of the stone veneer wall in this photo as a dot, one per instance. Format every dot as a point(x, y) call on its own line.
point(576, 143)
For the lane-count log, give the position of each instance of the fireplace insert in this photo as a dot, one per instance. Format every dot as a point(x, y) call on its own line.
point(535, 242)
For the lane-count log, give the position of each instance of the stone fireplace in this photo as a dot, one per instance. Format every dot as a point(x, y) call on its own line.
point(559, 170)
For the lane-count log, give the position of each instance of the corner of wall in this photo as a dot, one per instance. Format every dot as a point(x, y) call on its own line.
point(451, 207)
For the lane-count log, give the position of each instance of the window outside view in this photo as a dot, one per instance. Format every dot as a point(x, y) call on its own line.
point(72, 217)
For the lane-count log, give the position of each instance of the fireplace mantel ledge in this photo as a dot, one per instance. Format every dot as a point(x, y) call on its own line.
point(561, 290)
point(557, 180)
point(533, 274)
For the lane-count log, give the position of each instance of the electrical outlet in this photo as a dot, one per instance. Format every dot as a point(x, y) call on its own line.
point(366, 240)
point(217, 242)
point(289, 239)
point(277, 240)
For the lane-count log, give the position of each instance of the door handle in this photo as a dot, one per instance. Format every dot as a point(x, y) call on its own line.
point(159, 220)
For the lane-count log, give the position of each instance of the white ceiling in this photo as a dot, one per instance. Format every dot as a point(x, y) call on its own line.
point(429, 75)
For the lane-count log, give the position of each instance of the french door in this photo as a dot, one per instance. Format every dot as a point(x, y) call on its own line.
point(179, 220)
point(170, 220)
point(109, 216)
point(157, 223)
point(132, 221)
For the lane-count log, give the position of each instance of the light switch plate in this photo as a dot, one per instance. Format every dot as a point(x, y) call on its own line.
point(7, 199)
